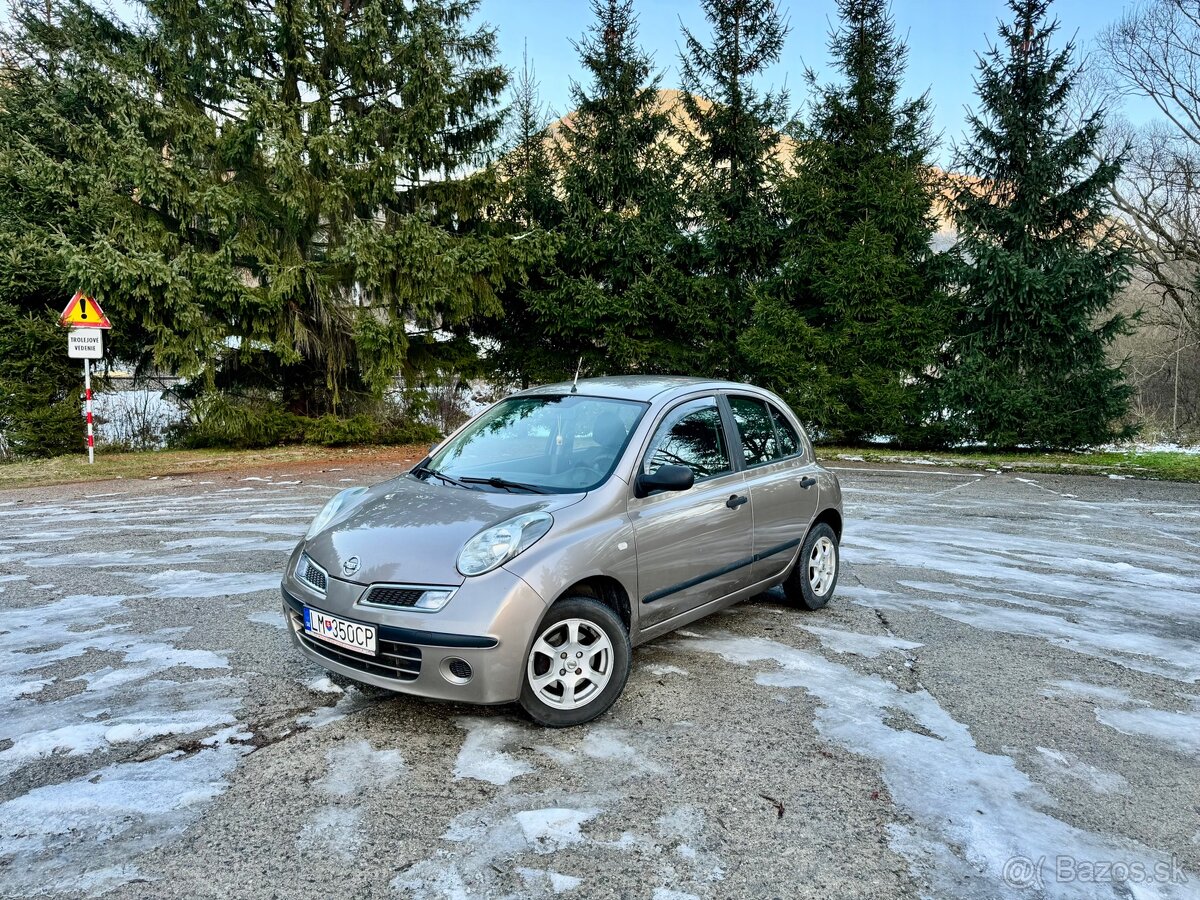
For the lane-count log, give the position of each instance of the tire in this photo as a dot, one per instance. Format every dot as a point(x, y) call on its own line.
point(561, 697)
point(811, 584)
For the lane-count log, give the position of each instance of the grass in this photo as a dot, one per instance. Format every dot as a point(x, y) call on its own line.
point(1166, 466)
point(162, 463)
point(1158, 465)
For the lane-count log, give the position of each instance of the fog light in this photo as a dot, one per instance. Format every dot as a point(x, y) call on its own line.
point(434, 600)
point(455, 670)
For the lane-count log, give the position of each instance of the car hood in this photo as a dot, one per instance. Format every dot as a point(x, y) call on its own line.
point(409, 531)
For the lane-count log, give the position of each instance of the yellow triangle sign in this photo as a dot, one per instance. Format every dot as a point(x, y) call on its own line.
point(83, 312)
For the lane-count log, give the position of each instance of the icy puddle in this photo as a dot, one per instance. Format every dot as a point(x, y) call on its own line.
point(972, 813)
point(97, 694)
point(540, 834)
point(1116, 579)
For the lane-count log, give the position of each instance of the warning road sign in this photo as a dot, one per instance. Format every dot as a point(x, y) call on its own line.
point(84, 312)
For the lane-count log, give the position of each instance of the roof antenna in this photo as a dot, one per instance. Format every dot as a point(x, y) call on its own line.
point(575, 383)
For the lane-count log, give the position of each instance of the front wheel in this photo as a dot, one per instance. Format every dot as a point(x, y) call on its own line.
point(578, 664)
point(813, 578)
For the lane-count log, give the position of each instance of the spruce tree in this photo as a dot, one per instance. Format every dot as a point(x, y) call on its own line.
point(276, 195)
point(517, 349)
point(614, 298)
point(853, 320)
point(730, 135)
point(1038, 261)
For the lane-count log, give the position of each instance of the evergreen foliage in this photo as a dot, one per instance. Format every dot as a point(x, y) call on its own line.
point(851, 324)
point(615, 297)
point(290, 203)
point(1038, 263)
point(732, 161)
point(273, 198)
point(41, 413)
point(517, 349)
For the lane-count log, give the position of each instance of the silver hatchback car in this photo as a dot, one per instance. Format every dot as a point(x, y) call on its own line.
point(532, 549)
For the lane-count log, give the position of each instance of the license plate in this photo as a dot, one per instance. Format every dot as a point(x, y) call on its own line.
point(333, 630)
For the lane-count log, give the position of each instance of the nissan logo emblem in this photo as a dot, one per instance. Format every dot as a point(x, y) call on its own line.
point(350, 566)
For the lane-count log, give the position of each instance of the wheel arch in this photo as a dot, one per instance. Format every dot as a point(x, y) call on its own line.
point(831, 517)
point(607, 590)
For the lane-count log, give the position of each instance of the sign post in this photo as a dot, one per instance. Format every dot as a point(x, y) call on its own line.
point(85, 340)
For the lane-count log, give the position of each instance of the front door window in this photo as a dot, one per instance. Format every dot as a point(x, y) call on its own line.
point(691, 436)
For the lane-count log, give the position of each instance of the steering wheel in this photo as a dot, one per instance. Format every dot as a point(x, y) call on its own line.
point(578, 473)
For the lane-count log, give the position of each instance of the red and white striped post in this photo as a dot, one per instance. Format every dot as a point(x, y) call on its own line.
point(87, 394)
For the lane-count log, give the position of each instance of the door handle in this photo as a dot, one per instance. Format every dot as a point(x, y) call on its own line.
point(735, 501)
point(807, 481)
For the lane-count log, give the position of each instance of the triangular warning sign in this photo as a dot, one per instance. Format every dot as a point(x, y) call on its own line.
point(84, 312)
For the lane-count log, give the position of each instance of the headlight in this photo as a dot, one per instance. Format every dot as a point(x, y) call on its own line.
point(497, 545)
point(338, 502)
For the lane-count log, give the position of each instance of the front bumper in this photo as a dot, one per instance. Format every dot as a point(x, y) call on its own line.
point(488, 625)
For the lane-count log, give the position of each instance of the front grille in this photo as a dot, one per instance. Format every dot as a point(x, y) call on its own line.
point(460, 668)
point(313, 574)
point(394, 596)
point(393, 660)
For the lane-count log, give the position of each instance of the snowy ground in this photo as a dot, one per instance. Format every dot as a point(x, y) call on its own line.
point(1004, 701)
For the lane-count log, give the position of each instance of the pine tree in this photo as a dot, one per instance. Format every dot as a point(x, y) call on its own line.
point(277, 195)
point(517, 349)
point(1038, 261)
point(40, 388)
point(853, 321)
point(615, 294)
point(730, 134)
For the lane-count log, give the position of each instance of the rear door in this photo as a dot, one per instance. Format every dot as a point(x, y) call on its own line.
point(693, 546)
point(781, 479)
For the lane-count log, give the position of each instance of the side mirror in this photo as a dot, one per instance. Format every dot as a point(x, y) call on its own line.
point(667, 478)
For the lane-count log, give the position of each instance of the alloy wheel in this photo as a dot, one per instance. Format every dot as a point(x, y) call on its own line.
point(570, 664)
point(822, 566)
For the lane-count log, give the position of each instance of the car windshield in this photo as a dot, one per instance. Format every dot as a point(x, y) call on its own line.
point(563, 443)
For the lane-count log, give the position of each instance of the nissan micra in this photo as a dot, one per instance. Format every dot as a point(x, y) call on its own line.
point(531, 550)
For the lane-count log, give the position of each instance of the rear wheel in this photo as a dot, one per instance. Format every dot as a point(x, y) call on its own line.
point(578, 664)
point(814, 576)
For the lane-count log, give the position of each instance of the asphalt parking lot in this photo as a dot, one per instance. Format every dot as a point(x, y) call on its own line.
point(1002, 701)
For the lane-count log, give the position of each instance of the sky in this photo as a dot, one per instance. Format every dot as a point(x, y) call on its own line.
point(943, 37)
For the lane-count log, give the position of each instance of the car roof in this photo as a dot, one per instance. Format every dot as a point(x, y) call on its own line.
point(636, 387)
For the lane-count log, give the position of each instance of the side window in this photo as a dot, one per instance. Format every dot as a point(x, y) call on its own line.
point(789, 440)
point(691, 435)
point(758, 434)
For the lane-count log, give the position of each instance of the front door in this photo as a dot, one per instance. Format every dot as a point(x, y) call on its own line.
point(692, 546)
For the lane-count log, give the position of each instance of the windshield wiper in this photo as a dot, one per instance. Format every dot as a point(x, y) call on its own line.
point(497, 482)
point(425, 470)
